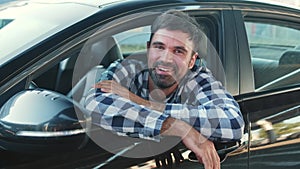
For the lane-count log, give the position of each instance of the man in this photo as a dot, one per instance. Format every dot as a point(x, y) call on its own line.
point(170, 95)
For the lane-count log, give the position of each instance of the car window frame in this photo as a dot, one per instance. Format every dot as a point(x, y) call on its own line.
point(276, 19)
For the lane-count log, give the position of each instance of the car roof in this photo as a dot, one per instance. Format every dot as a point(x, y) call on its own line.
point(95, 3)
point(40, 21)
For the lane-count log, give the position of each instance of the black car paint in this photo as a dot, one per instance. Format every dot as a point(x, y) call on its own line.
point(233, 51)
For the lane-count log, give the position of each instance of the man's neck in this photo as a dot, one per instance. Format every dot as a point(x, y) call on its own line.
point(159, 94)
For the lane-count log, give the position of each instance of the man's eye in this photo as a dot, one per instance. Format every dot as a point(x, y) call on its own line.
point(158, 47)
point(178, 51)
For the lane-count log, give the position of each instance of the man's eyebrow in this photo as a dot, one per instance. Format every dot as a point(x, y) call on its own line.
point(181, 48)
point(161, 43)
point(157, 43)
point(176, 47)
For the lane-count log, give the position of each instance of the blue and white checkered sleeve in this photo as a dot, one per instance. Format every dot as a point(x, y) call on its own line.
point(217, 116)
point(123, 117)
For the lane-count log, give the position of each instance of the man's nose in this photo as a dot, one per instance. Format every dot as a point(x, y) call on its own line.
point(167, 56)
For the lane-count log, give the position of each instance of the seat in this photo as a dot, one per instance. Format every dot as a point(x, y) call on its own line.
point(289, 65)
point(80, 90)
point(289, 61)
point(101, 54)
point(290, 57)
point(265, 71)
point(286, 73)
point(209, 57)
point(106, 51)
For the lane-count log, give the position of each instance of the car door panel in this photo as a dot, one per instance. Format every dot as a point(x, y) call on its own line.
point(273, 110)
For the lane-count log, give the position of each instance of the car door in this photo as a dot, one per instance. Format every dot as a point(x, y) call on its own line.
point(131, 33)
point(74, 57)
point(271, 95)
point(222, 58)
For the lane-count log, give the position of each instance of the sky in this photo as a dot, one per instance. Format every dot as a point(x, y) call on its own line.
point(288, 2)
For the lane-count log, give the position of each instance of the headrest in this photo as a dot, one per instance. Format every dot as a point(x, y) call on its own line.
point(106, 51)
point(290, 57)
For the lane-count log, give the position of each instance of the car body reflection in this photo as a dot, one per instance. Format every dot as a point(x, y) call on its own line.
point(276, 137)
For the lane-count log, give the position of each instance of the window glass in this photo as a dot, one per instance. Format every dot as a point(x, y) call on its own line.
point(275, 55)
point(133, 40)
point(4, 22)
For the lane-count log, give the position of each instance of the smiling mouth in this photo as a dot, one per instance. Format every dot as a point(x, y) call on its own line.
point(164, 71)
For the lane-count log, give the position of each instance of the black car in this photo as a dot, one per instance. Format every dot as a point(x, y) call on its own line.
point(51, 52)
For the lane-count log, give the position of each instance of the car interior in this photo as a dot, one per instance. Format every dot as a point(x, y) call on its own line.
point(274, 52)
point(80, 89)
point(72, 76)
point(272, 74)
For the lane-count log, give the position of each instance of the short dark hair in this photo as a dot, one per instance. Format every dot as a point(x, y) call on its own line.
point(178, 20)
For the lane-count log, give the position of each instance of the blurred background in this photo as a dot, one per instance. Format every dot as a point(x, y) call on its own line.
point(287, 2)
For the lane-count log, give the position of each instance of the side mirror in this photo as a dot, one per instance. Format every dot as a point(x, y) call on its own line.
point(41, 121)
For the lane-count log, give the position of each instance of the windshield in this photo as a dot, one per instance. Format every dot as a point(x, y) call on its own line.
point(24, 24)
point(4, 22)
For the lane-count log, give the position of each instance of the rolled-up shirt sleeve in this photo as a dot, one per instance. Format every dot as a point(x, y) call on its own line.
point(124, 117)
point(215, 113)
point(204, 104)
point(119, 114)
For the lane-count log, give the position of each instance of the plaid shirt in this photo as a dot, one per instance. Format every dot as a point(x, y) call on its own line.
point(199, 100)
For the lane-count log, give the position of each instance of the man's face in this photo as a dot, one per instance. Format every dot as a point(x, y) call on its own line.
point(170, 57)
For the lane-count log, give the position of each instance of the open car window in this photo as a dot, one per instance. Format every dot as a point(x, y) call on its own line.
point(275, 54)
point(133, 40)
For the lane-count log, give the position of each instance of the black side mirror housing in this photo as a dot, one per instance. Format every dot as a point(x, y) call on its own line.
point(39, 121)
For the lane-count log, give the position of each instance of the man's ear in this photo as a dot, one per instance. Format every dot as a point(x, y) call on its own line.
point(193, 60)
point(148, 44)
point(148, 47)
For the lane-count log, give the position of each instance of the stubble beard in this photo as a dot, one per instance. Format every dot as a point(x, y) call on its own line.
point(162, 81)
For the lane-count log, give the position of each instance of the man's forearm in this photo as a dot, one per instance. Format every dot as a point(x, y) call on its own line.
point(150, 104)
point(193, 140)
point(175, 127)
point(110, 86)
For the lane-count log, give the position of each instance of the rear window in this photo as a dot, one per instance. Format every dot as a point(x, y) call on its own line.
point(275, 54)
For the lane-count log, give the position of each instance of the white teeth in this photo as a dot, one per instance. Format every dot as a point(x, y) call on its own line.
point(163, 69)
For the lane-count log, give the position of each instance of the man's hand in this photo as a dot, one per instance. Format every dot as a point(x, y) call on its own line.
point(111, 86)
point(193, 140)
point(205, 152)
